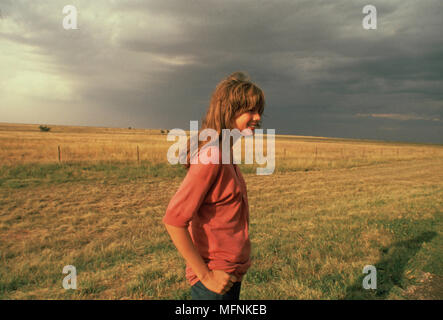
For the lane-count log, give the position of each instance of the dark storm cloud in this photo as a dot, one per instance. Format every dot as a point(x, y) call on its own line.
point(155, 63)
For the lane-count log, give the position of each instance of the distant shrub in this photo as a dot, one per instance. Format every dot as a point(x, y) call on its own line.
point(44, 128)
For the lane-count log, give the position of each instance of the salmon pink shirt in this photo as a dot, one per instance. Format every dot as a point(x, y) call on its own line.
point(212, 203)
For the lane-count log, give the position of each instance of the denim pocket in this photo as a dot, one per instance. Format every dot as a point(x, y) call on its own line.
point(200, 292)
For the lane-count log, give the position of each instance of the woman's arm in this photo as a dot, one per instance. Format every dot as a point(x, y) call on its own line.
point(215, 280)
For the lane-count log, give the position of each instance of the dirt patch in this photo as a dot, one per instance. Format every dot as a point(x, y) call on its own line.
point(430, 287)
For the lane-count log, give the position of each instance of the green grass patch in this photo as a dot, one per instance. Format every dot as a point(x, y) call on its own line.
point(34, 174)
point(416, 249)
point(146, 283)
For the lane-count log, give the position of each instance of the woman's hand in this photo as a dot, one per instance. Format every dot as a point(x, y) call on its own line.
point(218, 281)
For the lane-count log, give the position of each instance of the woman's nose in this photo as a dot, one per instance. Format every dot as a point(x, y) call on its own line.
point(256, 116)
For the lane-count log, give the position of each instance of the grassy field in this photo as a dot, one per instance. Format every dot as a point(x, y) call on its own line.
point(331, 207)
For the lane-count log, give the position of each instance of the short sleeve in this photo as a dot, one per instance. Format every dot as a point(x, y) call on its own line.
point(191, 193)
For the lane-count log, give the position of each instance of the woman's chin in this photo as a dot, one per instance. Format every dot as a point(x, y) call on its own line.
point(249, 131)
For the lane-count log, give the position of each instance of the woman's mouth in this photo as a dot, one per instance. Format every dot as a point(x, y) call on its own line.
point(252, 126)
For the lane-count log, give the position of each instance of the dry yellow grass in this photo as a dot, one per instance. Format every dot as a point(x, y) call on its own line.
point(26, 143)
point(312, 231)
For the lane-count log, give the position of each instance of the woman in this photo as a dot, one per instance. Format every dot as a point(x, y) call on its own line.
point(208, 217)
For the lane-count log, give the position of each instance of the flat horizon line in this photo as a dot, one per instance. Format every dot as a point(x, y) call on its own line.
point(277, 135)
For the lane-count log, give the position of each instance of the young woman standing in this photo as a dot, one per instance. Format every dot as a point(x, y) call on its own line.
point(208, 217)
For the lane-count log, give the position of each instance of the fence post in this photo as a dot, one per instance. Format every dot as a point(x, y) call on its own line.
point(59, 155)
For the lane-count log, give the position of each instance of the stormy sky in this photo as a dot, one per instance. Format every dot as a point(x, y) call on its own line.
point(154, 64)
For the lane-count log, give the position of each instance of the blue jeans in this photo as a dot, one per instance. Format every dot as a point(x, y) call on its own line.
point(200, 292)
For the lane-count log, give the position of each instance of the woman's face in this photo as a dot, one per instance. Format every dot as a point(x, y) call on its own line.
point(247, 120)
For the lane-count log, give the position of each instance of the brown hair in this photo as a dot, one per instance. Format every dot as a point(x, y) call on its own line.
point(233, 96)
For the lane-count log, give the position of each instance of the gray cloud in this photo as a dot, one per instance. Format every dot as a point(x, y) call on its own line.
point(155, 63)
